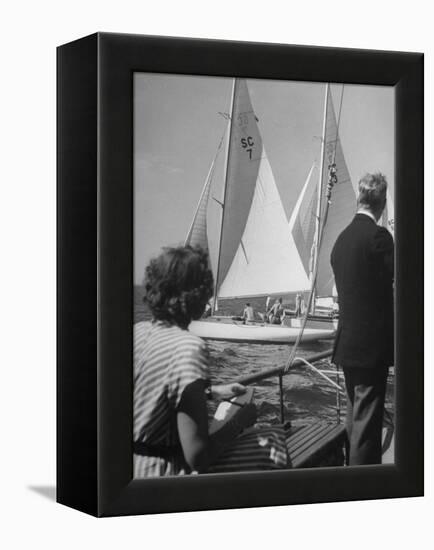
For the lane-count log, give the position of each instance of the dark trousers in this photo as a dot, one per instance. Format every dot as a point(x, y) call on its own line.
point(366, 390)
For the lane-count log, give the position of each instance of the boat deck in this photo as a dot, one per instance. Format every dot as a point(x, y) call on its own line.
point(308, 444)
point(321, 444)
point(316, 444)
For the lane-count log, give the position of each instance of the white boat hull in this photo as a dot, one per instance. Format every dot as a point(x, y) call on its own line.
point(256, 333)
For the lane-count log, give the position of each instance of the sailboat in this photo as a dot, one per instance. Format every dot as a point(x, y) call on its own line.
point(309, 212)
point(257, 255)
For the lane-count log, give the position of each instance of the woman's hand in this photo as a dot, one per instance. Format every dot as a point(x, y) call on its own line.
point(227, 391)
point(199, 448)
point(246, 415)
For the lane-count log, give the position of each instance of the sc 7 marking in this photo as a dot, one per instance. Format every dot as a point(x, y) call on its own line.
point(247, 144)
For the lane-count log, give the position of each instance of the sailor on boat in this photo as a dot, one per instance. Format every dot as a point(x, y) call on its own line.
point(302, 305)
point(298, 305)
point(275, 314)
point(267, 302)
point(248, 314)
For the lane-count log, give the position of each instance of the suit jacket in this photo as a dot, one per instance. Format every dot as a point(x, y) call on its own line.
point(362, 262)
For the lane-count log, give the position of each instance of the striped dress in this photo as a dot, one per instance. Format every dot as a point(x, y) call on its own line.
point(166, 360)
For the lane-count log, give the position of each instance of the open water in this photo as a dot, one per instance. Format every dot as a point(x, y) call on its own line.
point(307, 396)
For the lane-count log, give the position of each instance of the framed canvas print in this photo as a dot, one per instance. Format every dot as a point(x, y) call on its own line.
point(240, 274)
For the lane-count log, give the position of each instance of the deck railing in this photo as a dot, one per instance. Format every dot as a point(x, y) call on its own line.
point(280, 372)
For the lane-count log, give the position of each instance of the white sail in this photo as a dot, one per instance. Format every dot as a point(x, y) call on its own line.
point(341, 209)
point(302, 222)
point(343, 202)
point(266, 260)
point(388, 217)
point(198, 235)
point(243, 163)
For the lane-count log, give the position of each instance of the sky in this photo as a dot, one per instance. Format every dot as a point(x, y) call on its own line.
point(177, 129)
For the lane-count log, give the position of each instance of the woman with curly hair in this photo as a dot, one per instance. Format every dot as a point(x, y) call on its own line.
point(171, 372)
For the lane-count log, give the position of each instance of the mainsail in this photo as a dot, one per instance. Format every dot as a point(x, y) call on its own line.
point(257, 254)
point(243, 164)
point(341, 209)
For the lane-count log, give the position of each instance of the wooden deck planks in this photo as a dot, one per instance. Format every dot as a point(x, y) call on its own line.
point(318, 436)
point(304, 436)
point(308, 444)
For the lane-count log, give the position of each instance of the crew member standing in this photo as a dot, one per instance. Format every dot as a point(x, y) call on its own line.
point(362, 262)
point(248, 314)
point(276, 312)
point(298, 305)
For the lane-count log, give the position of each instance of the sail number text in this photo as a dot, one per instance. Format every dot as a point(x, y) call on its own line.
point(247, 144)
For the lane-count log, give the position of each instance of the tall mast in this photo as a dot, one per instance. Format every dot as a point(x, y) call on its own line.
point(319, 199)
point(228, 145)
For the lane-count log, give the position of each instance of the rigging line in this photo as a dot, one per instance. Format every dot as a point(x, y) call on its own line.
point(308, 306)
point(321, 373)
point(338, 123)
point(244, 250)
point(319, 203)
point(320, 238)
point(226, 171)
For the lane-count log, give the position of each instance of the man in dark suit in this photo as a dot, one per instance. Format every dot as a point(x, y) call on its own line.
point(362, 262)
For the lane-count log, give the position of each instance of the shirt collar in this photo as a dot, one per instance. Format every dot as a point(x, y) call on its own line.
point(366, 213)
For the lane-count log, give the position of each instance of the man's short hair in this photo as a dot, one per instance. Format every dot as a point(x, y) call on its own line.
point(372, 191)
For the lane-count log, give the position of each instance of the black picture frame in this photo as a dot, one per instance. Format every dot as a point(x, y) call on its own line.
point(95, 283)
